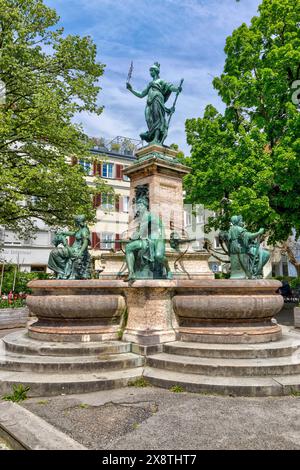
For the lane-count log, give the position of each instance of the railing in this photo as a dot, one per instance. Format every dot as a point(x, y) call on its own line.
point(291, 297)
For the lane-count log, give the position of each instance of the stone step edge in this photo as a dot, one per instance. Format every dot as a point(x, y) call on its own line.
point(286, 342)
point(46, 385)
point(236, 386)
point(220, 362)
point(207, 353)
point(68, 360)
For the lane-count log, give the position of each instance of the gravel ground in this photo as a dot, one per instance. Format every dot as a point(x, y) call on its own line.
point(155, 419)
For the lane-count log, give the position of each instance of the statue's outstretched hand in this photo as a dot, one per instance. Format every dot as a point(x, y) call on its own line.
point(170, 110)
point(128, 86)
point(261, 231)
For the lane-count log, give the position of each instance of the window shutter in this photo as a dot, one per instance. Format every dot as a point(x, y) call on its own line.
point(119, 172)
point(94, 167)
point(117, 244)
point(97, 200)
point(121, 204)
point(71, 240)
point(117, 203)
point(98, 171)
point(95, 241)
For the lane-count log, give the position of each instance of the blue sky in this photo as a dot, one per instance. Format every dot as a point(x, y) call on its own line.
point(187, 37)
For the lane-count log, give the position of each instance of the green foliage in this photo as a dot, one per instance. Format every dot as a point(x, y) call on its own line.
point(50, 77)
point(22, 279)
point(295, 393)
point(246, 161)
point(176, 389)
point(222, 275)
point(16, 303)
point(295, 283)
point(19, 393)
point(140, 382)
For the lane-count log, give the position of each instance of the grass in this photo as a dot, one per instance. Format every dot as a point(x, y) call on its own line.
point(140, 382)
point(177, 389)
point(43, 402)
point(295, 393)
point(19, 393)
point(84, 405)
point(120, 334)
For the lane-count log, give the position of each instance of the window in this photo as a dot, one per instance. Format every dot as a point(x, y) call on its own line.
point(285, 268)
point(217, 242)
point(107, 241)
point(38, 268)
point(125, 177)
point(107, 202)
point(125, 203)
point(200, 218)
point(187, 218)
point(87, 166)
point(107, 170)
point(275, 269)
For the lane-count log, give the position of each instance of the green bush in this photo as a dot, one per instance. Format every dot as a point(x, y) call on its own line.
point(22, 279)
point(295, 283)
point(222, 275)
point(17, 303)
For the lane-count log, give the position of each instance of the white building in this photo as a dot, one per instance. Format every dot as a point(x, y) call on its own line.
point(30, 254)
point(112, 212)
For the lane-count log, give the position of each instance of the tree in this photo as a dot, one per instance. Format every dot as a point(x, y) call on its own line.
point(49, 77)
point(247, 160)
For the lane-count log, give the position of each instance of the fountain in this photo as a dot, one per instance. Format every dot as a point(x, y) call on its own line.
point(184, 328)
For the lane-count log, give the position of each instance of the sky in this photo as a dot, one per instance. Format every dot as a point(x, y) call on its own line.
point(187, 37)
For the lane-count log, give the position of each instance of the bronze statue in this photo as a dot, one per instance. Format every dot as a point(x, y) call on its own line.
point(247, 258)
point(158, 92)
point(145, 251)
point(72, 262)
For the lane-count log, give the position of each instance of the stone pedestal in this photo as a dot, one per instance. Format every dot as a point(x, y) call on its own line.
point(193, 265)
point(158, 168)
point(151, 320)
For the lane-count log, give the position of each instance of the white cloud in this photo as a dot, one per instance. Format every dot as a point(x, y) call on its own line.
point(186, 36)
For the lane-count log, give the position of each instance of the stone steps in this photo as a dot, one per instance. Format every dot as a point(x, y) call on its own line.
point(284, 347)
point(57, 384)
point(22, 344)
point(68, 364)
point(235, 386)
point(226, 367)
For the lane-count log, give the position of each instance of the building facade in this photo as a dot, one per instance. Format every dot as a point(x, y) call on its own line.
point(109, 160)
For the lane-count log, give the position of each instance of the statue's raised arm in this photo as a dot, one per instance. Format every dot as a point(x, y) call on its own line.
point(158, 92)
